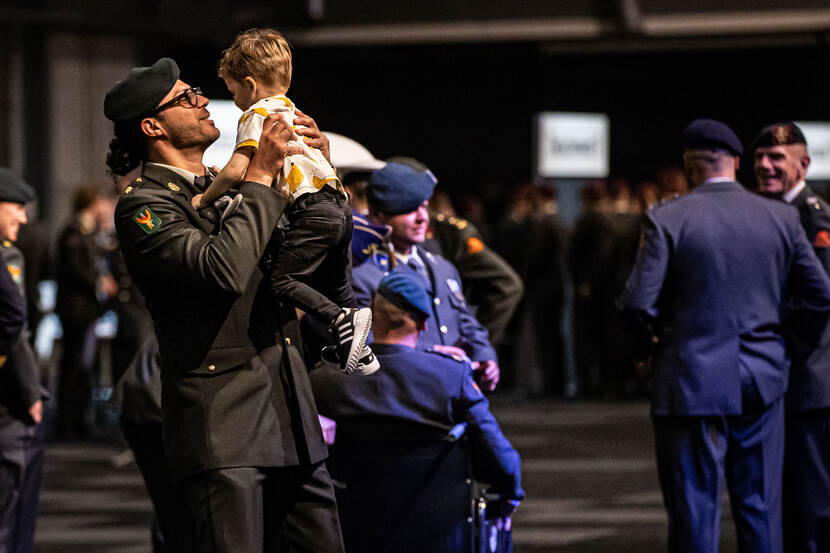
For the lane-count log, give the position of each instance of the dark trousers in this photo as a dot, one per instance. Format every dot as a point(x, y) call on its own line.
point(173, 519)
point(75, 380)
point(807, 482)
point(265, 510)
point(21, 473)
point(313, 267)
point(694, 454)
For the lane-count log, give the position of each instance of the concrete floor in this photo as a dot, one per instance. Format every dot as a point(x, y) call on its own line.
point(588, 471)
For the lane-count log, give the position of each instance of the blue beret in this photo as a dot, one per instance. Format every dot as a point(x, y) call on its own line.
point(13, 189)
point(407, 291)
point(397, 189)
point(141, 91)
point(708, 134)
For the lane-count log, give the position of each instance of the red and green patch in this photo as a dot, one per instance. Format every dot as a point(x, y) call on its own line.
point(147, 220)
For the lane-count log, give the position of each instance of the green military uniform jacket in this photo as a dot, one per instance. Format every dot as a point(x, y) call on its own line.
point(235, 391)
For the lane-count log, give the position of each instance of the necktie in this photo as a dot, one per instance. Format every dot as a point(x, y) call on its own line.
point(201, 183)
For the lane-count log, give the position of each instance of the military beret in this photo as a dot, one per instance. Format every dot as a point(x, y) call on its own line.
point(13, 189)
point(779, 134)
point(706, 134)
point(407, 291)
point(397, 189)
point(141, 91)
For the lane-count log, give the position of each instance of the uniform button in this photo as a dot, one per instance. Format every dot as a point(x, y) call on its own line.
point(211, 368)
point(437, 301)
point(288, 341)
point(444, 329)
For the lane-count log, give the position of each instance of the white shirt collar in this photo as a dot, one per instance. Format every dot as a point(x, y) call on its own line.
point(188, 175)
point(718, 179)
point(413, 254)
point(790, 195)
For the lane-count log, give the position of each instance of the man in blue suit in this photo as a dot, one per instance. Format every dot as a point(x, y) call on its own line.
point(397, 197)
point(781, 161)
point(708, 288)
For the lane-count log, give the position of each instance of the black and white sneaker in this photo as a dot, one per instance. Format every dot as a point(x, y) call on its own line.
point(351, 329)
point(367, 365)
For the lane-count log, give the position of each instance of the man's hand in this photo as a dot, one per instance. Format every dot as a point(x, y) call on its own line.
point(108, 285)
point(487, 374)
point(196, 201)
point(312, 136)
point(36, 411)
point(453, 351)
point(329, 429)
point(269, 158)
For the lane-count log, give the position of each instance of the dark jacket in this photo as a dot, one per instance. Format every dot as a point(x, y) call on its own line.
point(429, 389)
point(235, 391)
point(711, 278)
point(810, 372)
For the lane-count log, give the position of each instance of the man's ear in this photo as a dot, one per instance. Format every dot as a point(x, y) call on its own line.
point(804, 162)
point(737, 163)
point(249, 83)
point(152, 127)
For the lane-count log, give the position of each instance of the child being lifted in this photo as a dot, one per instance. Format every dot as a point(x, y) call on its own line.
point(312, 269)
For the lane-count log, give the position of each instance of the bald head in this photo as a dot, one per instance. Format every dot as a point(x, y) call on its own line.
point(779, 168)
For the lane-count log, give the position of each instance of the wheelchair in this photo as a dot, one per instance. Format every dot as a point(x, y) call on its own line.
point(404, 487)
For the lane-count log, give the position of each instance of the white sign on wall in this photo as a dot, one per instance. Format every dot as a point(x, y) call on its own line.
point(572, 144)
point(225, 116)
point(818, 145)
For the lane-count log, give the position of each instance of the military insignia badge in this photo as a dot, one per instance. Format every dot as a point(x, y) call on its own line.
point(173, 186)
point(474, 245)
point(147, 220)
point(15, 272)
point(781, 134)
point(822, 239)
point(128, 190)
point(455, 288)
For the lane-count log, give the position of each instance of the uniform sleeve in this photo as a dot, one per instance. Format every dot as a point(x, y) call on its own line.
point(177, 252)
point(249, 128)
point(494, 460)
point(642, 290)
point(808, 283)
point(491, 284)
point(12, 310)
point(475, 336)
point(821, 236)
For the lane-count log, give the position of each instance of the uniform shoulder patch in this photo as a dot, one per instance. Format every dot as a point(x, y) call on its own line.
point(474, 245)
point(147, 220)
point(822, 239)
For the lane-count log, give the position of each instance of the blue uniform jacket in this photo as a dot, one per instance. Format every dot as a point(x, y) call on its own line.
point(451, 323)
point(426, 388)
point(710, 280)
point(810, 372)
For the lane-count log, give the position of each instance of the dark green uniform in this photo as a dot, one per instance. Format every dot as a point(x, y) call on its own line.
point(236, 401)
point(490, 284)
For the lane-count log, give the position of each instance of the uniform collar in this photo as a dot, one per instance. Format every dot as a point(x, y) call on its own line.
point(175, 179)
point(791, 194)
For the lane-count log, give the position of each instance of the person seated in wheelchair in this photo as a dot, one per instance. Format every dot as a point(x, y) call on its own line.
point(418, 397)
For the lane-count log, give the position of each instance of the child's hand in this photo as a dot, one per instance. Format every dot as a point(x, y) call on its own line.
point(196, 201)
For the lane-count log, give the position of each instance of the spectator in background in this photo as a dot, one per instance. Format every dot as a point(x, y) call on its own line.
point(83, 285)
point(590, 257)
point(21, 396)
point(535, 243)
point(672, 183)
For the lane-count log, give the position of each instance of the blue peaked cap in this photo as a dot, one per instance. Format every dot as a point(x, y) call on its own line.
point(398, 189)
point(407, 291)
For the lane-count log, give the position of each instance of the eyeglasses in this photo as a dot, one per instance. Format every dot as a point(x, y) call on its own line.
point(191, 95)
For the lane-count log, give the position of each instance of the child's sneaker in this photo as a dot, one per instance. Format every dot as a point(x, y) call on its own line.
point(351, 329)
point(367, 365)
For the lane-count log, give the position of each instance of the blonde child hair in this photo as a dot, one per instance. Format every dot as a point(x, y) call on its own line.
point(263, 54)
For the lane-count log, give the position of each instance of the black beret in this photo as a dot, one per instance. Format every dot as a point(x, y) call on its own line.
point(397, 189)
point(13, 189)
point(406, 290)
point(779, 134)
point(708, 134)
point(141, 91)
